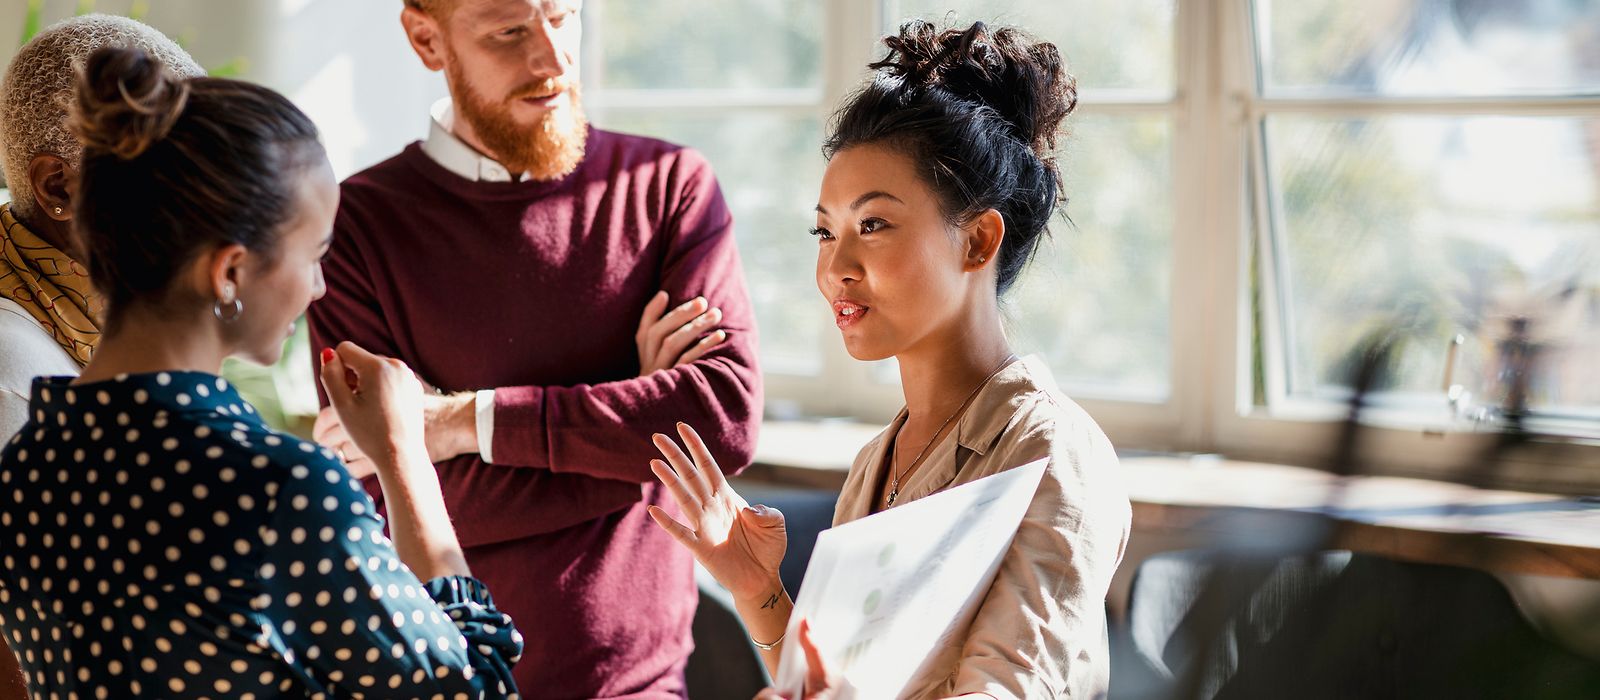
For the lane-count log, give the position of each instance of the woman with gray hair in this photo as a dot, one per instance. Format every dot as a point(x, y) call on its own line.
point(49, 313)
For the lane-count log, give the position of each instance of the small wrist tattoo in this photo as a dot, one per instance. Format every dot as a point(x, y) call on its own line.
point(771, 602)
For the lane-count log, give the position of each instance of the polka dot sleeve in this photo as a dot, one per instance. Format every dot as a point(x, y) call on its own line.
point(354, 620)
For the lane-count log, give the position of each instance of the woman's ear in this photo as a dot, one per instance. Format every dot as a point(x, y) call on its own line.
point(52, 181)
point(221, 273)
point(984, 236)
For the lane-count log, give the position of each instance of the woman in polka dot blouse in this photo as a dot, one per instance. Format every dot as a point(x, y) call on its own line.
point(159, 540)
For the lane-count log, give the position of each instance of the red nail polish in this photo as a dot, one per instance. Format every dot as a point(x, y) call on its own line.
point(327, 355)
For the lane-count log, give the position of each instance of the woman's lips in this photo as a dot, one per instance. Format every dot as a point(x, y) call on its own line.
point(848, 313)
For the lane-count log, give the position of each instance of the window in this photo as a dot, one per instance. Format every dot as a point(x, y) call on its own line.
point(1255, 188)
point(752, 89)
point(744, 86)
point(1095, 303)
point(1432, 171)
point(1442, 48)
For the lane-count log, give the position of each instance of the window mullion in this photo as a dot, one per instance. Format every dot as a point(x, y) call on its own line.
point(1225, 175)
point(849, 44)
point(1370, 105)
point(693, 100)
point(1273, 282)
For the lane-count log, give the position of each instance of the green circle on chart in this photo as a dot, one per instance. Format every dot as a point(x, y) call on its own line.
point(872, 601)
point(885, 555)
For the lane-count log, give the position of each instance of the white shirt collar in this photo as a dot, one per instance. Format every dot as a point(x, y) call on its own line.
point(449, 151)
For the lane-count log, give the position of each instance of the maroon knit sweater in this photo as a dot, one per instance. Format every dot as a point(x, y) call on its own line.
point(535, 289)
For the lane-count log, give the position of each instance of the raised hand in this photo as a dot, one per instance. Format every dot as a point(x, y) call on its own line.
point(449, 429)
point(739, 544)
point(379, 405)
point(378, 401)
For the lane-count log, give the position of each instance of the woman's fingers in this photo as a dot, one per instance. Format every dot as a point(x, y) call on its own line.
point(675, 486)
point(348, 451)
point(361, 467)
point(683, 466)
point(328, 428)
point(816, 670)
point(705, 465)
point(356, 356)
point(762, 516)
point(340, 393)
point(677, 530)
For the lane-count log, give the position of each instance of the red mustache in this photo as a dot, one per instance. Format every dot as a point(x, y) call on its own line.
point(541, 89)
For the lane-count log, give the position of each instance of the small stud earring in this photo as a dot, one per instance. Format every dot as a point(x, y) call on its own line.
point(58, 211)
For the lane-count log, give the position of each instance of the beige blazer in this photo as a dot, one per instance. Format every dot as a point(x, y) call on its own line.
point(1040, 631)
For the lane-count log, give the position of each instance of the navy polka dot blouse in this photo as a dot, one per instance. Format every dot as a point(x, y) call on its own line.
point(160, 541)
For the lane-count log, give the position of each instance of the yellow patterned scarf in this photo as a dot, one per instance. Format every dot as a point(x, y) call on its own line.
point(54, 288)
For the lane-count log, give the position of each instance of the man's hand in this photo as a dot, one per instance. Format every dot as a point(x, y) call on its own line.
point(450, 429)
point(679, 337)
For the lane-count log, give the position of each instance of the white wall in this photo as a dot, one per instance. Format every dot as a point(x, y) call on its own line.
point(345, 62)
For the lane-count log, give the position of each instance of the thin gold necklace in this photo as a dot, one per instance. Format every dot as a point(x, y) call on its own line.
point(894, 477)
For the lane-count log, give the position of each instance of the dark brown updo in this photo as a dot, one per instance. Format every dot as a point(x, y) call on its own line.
point(134, 105)
point(979, 112)
point(175, 167)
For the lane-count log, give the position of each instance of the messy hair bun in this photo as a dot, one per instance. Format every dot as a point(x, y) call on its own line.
point(126, 101)
point(174, 167)
point(979, 110)
point(1020, 79)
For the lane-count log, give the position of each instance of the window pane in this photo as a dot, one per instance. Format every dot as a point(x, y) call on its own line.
point(1095, 301)
point(1125, 44)
point(753, 44)
point(1442, 225)
point(770, 167)
point(1430, 47)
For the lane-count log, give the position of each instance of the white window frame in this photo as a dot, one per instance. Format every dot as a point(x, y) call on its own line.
point(1219, 208)
point(1298, 431)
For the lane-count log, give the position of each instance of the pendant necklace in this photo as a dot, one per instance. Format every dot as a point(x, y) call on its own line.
point(894, 475)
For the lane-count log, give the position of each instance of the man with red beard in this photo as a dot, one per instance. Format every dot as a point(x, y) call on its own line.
point(524, 263)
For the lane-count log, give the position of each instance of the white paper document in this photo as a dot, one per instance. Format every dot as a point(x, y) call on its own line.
point(883, 592)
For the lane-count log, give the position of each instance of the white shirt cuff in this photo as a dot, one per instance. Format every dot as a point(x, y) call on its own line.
point(484, 408)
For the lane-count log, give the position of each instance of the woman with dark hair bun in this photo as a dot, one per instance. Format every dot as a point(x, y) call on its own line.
point(162, 541)
point(939, 187)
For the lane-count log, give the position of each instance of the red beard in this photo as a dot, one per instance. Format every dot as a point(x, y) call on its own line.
point(547, 150)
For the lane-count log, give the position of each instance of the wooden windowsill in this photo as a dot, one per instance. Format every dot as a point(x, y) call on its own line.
point(1410, 519)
